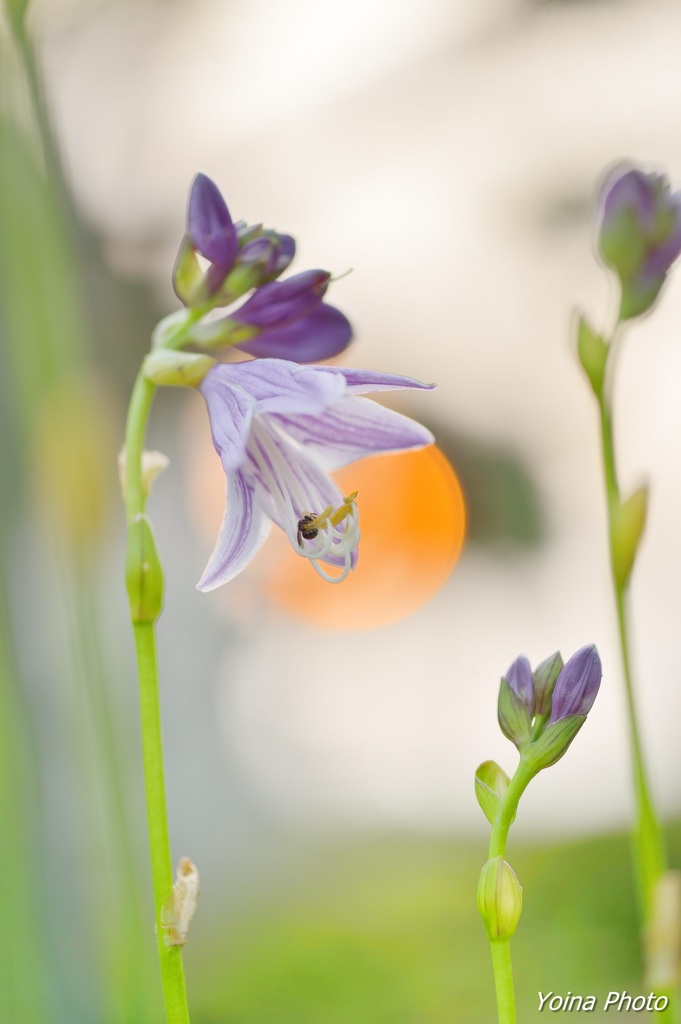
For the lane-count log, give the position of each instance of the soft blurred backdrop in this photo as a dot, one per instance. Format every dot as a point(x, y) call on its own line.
point(320, 755)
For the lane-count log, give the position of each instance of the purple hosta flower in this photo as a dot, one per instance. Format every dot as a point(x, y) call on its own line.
point(573, 695)
point(284, 319)
point(519, 678)
point(281, 302)
point(639, 235)
point(287, 319)
point(516, 703)
point(320, 334)
point(542, 712)
point(210, 225)
point(577, 685)
point(279, 428)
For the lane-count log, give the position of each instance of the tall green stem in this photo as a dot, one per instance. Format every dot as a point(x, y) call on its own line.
point(649, 845)
point(648, 839)
point(500, 948)
point(172, 973)
point(507, 810)
point(503, 980)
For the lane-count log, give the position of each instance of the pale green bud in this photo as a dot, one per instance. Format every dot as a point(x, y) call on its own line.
point(170, 368)
point(500, 899)
point(545, 678)
point(143, 572)
point(628, 523)
point(593, 354)
point(188, 277)
point(513, 715)
point(491, 782)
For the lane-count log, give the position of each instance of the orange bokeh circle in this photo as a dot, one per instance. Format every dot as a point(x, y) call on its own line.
point(412, 517)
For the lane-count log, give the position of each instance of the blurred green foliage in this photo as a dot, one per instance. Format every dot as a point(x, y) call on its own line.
point(388, 933)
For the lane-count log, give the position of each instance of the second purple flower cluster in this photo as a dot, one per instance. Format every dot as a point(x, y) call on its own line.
point(542, 711)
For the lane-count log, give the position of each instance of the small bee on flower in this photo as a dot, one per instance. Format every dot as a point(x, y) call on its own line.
point(306, 530)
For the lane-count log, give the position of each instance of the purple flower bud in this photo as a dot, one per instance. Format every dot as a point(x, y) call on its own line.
point(281, 302)
point(210, 225)
point(320, 335)
point(519, 677)
point(287, 250)
point(639, 235)
point(271, 252)
point(577, 685)
point(281, 319)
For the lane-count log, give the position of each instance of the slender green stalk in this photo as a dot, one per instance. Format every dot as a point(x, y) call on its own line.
point(503, 980)
point(500, 948)
point(172, 973)
point(649, 845)
point(507, 810)
point(170, 958)
point(648, 840)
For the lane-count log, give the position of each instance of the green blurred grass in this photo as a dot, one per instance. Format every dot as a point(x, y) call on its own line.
point(388, 933)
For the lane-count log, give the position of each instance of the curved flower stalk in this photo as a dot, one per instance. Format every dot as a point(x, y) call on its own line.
point(278, 428)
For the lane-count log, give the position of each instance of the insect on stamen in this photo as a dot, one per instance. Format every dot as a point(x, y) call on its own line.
point(306, 531)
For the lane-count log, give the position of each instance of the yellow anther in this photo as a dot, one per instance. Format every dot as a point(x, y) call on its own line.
point(334, 518)
point(320, 520)
point(344, 510)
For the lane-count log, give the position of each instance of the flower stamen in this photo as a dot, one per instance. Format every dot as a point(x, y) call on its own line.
point(332, 529)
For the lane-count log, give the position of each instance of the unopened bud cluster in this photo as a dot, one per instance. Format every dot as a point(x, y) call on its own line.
point(639, 235)
point(541, 712)
point(219, 263)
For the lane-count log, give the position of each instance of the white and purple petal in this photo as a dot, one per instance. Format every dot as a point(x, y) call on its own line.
point(361, 381)
point(230, 411)
point(278, 385)
point(353, 429)
point(243, 532)
point(290, 483)
point(278, 428)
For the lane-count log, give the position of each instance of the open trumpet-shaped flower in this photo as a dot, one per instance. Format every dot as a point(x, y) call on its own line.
point(279, 428)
